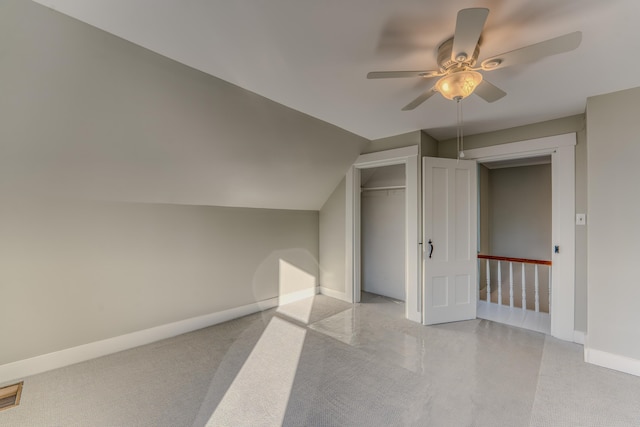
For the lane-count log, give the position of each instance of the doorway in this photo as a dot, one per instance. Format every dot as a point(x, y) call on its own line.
point(514, 242)
point(561, 148)
point(383, 224)
point(408, 157)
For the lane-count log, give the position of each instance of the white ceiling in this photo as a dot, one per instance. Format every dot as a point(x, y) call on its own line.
point(313, 56)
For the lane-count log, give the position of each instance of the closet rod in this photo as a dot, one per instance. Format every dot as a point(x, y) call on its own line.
point(391, 187)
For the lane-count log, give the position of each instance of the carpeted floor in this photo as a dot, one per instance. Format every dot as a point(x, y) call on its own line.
point(323, 362)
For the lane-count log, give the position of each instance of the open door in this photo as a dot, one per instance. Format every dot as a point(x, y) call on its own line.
point(450, 235)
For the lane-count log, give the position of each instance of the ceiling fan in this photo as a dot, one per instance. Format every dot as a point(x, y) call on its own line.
point(457, 75)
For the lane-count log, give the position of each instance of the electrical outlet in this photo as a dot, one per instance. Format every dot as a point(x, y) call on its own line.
point(581, 219)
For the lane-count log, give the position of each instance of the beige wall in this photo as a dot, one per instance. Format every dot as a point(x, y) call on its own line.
point(86, 114)
point(614, 208)
point(565, 125)
point(520, 212)
point(332, 240)
point(447, 148)
point(428, 145)
point(77, 272)
point(397, 141)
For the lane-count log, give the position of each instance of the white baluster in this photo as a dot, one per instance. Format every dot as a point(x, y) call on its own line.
point(524, 291)
point(499, 284)
point(537, 285)
point(510, 284)
point(488, 282)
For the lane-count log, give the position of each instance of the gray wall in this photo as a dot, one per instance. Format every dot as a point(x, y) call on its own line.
point(428, 145)
point(520, 212)
point(332, 240)
point(397, 141)
point(77, 272)
point(565, 125)
point(614, 209)
point(86, 116)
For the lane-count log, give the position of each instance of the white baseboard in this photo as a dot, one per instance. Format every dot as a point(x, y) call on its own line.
point(298, 295)
point(578, 337)
point(334, 294)
point(58, 359)
point(612, 361)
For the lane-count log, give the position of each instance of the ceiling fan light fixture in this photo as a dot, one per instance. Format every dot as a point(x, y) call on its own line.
point(459, 85)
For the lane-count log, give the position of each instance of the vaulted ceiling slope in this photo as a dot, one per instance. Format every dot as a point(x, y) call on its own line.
point(87, 114)
point(313, 56)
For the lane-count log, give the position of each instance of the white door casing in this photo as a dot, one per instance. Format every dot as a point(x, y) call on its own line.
point(409, 157)
point(562, 302)
point(450, 240)
point(562, 151)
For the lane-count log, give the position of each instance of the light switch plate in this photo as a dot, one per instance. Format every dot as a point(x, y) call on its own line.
point(581, 219)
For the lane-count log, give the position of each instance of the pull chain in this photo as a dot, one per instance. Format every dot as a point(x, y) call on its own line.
point(459, 131)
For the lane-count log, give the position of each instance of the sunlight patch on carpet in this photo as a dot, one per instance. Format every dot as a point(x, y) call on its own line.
point(260, 392)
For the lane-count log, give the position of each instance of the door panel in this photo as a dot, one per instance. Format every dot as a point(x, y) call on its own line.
point(439, 211)
point(440, 291)
point(463, 289)
point(462, 213)
point(450, 206)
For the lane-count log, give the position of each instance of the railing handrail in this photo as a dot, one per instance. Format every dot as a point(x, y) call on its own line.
point(524, 260)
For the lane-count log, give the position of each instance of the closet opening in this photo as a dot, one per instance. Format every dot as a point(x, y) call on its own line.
point(383, 232)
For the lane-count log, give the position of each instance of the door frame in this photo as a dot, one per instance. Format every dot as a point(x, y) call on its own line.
point(562, 151)
point(353, 286)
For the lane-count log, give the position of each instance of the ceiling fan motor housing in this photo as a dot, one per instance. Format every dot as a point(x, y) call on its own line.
point(446, 63)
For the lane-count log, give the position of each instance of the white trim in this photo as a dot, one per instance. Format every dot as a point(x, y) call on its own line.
point(383, 158)
point(298, 295)
point(527, 319)
point(562, 150)
point(515, 150)
point(563, 231)
point(352, 239)
point(409, 157)
point(334, 294)
point(612, 361)
point(578, 337)
point(69, 356)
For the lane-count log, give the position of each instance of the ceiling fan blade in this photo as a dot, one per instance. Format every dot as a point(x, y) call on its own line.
point(419, 100)
point(489, 92)
point(469, 26)
point(396, 74)
point(534, 52)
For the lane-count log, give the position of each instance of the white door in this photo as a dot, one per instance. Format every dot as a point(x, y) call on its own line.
point(449, 245)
